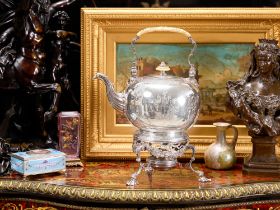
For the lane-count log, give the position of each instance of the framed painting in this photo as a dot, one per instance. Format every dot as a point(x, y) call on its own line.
point(225, 38)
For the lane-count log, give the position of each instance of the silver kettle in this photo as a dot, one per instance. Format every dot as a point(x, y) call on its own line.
point(162, 107)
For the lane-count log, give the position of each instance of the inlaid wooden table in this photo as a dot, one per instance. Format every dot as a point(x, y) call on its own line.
point(101, 185)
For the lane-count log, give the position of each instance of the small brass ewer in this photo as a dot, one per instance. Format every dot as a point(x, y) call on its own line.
point(221, 154)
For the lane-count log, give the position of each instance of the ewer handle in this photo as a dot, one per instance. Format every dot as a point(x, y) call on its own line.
point(133, 69)
point(235, 135)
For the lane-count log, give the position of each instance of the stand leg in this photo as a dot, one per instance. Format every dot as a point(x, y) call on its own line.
point(201, 178)
point(149, 170)
point(133, 180)
point(137, 147)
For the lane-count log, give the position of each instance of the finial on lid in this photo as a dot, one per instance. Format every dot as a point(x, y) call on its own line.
point(163, 67)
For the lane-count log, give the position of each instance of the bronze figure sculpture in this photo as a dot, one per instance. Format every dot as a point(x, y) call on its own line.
point(61, 42)
point(23, 65)
point(255, 99)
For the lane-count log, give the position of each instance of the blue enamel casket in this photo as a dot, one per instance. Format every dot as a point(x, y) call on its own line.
point(39, 161)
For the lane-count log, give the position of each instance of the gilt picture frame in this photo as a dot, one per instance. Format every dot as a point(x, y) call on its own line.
point(105, 30)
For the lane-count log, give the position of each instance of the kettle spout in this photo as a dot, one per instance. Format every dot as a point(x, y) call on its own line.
point(117, 100)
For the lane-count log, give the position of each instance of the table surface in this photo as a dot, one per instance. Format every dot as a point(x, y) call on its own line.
point(106, 182)
point(114, 175)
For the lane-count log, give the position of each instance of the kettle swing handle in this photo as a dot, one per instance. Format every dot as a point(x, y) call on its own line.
point(133, 69)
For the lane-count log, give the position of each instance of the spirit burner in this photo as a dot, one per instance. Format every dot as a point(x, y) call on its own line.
point(162, 107)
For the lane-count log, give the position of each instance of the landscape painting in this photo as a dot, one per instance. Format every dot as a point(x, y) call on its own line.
point(216, 64)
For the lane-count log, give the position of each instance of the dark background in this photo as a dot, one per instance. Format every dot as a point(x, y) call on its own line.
point(74, 12)
point(185, 3)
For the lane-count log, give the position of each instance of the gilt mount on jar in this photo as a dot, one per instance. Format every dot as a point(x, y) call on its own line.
point(255, 99)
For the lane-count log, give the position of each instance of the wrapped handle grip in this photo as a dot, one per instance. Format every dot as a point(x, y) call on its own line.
point(163, 29)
